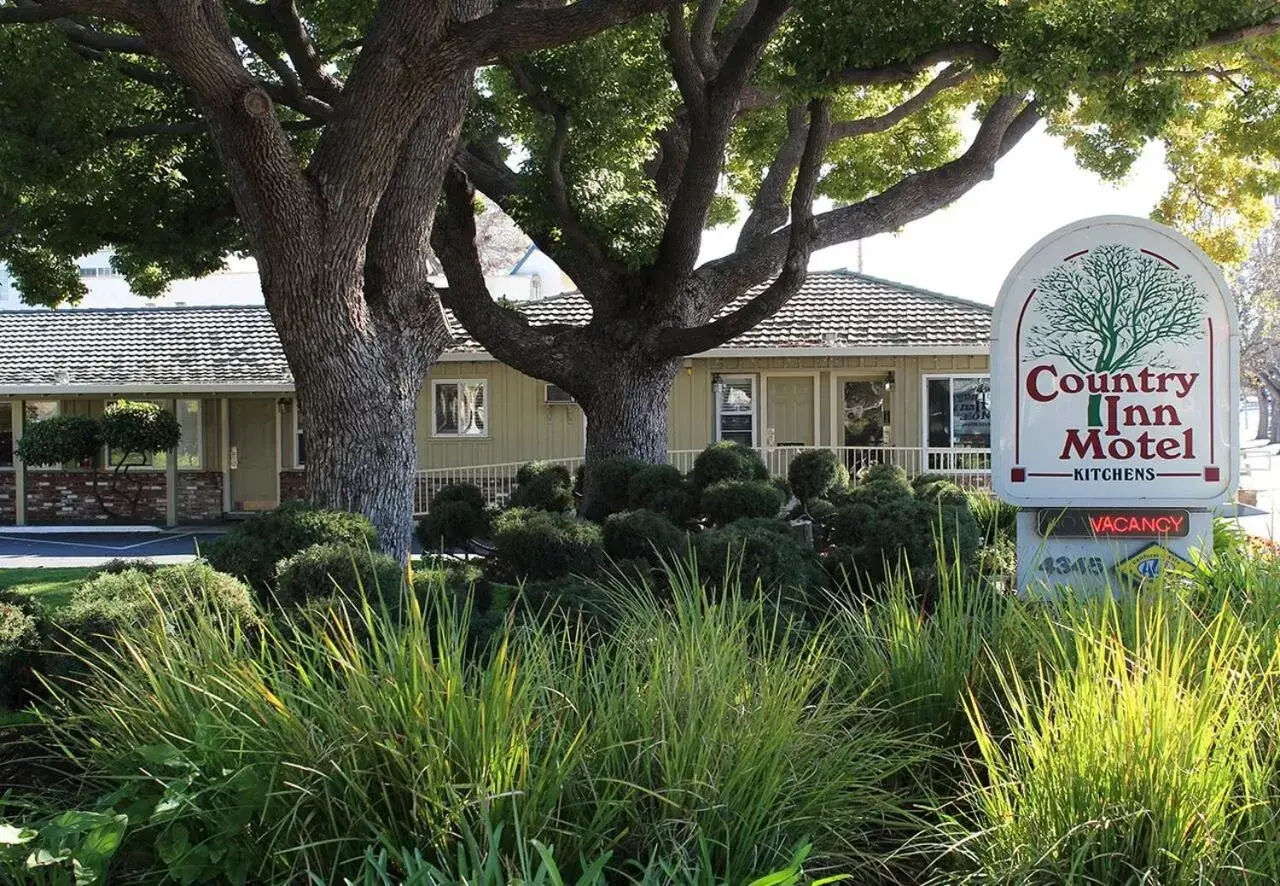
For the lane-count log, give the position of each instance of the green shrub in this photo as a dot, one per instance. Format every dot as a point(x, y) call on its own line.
point(23, 640)
point(885, 475)
point(467, 493)
point(451, 524)
point(758, 551)
point(113, 602)
point(544, 486)
point(919, 481)
point(941, 492)
point(532, 544)
point(612, 477)
point(252, 550)
point(642, 535)
point(816, 472)
point(727, 461)
point(997, 520)
point(663, 490)
point(123, 564)
point(61, 439)
point(731, 500)
point(325, 569)
point(882, 524)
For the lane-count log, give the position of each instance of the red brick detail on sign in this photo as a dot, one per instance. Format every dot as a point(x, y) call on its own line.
point(293, 485)
point(1018, 475)
point(8, 499)
point(68, 496)
point(199, 496)
point(1212, 475)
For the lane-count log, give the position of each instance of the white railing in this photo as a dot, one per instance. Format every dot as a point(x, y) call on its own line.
point(968, 468)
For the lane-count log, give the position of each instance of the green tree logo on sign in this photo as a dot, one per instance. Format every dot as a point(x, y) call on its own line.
point(1113, 309)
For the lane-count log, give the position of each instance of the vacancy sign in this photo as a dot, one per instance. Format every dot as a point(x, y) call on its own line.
point(1115, 373)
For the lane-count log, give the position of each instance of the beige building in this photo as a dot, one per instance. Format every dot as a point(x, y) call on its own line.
point(873, 369)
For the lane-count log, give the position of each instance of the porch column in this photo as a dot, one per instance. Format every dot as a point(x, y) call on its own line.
point(224, 451)
point(171, 478)
point(19, 469)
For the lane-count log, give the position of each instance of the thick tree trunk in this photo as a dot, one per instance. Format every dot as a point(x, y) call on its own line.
point(626, 413)
point(1264, 414)
point(358, 381)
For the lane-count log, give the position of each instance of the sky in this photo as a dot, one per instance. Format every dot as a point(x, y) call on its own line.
point(967, 249)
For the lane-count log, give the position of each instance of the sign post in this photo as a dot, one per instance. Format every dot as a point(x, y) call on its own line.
point(1115, 403)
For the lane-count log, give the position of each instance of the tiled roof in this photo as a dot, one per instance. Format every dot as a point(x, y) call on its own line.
point(838, 309)
point(132, 346)
point(237, 346)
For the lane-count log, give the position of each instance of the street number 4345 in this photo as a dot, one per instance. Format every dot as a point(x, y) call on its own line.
point(1069, 566)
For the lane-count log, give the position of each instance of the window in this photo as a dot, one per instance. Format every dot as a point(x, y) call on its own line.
point(34, 411)
point(460, 408)
point(736, 409)
point(866, 412)
point(190, 447)
point(958, 416)
point(299, 438)
point(6, 435)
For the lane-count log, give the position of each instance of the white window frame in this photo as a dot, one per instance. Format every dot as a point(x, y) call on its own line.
point(755, 405)
point(488, 412)
point(924, 407)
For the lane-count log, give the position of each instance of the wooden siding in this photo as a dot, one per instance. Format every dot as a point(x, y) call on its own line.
point(522, 426)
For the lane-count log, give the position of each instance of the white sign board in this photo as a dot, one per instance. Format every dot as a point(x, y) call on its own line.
point(1115, 372)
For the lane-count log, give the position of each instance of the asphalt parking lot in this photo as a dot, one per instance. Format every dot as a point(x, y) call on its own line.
point(18, 549)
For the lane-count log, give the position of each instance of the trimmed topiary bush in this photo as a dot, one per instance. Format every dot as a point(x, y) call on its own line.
point(613, 476)
point(111, 602)
point(663, 490)
point(467, 493)
point(121, 564)
point(325, 569)
point(532, 544)
point(24, 633)
point(451, 524)
point(643, 535)
point(883, 522)
point(731, 500)
point(252, 550)
point(758, 550)
point(816, 472)
point(543, 486)
point(727, 461)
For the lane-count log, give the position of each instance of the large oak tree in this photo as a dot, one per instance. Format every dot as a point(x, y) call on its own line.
point(314, 134)
point(615, 154)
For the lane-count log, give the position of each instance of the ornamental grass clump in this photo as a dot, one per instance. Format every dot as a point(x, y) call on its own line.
point(700, 732)
point(1142, 752)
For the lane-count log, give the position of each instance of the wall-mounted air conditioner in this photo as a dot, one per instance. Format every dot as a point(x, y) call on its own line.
point(558, 396)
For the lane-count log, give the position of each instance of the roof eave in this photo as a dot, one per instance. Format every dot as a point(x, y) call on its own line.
point(56, 390)
point(970, 350)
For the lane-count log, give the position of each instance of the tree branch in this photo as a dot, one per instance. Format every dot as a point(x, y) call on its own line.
point(684, 65)
point(703, 37)
point(978, 53)
point(915, 196)
point(506, 334)
point(951, 76)
point(678, 342)
point(769, 208)
point(514, 30)
point(32, 11)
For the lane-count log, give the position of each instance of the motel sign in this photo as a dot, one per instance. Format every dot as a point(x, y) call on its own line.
point(1115, 384)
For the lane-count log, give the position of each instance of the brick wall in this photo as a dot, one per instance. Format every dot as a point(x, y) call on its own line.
point(8, 510)
point(199, 496)
point(67, 496)
point(293, 485)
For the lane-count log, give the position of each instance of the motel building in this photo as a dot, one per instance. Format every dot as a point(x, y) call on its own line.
point(878, 371)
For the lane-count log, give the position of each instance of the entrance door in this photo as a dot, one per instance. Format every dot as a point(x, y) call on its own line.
point(789, 407)
point(253, 458)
